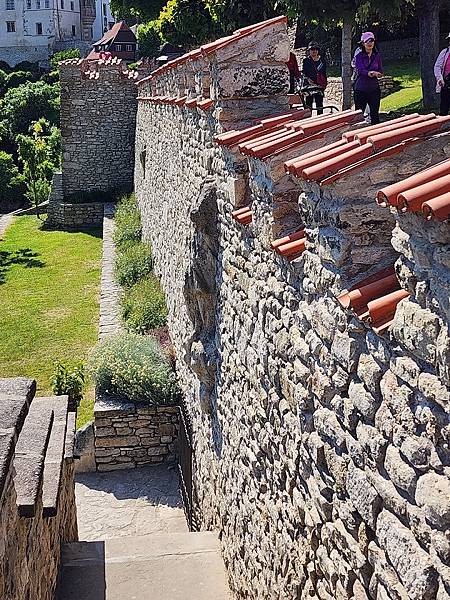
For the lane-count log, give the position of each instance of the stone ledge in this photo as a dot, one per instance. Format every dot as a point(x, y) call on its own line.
point(15, 396)
point(55, 455)
point(29, 456)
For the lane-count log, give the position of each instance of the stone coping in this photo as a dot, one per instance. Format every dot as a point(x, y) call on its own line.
point(15, 397)
point(54, 456)
point(107, 406)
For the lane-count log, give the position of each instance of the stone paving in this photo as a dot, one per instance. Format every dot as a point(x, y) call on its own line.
point(129, 502)
point(110, 322)
point(5, 222)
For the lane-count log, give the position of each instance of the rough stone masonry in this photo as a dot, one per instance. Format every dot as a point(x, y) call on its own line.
point(321, 447)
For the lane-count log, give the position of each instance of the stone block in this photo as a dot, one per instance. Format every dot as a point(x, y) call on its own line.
point(433, 494)
point(401, 474)
point(412, 564)
point(363, 495)
point(116, 442)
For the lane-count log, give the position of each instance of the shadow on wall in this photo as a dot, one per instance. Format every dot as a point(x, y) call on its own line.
point(83, 572)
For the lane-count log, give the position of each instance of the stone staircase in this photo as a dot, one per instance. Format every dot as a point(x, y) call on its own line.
point(159, 566)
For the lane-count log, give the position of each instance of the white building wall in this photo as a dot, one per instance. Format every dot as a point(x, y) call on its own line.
point(104, 19)
point(38, 24)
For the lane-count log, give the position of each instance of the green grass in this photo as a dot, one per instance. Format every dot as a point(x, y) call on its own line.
point(49, 288)
point(409, 97)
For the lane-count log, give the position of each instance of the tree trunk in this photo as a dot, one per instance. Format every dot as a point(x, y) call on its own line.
point(346, 58)
point(428, 15)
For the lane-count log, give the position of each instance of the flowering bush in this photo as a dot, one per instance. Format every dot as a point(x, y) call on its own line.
point(128, 221)
point(134, 367)
point(133, 264)
point(144, 306)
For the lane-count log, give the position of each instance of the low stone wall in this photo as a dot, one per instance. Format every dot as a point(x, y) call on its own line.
point(37, 489)
point(333, 92)
point(129, 435)
point(75, 216)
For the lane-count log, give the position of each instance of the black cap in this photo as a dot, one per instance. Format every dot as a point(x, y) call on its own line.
point(313, 45)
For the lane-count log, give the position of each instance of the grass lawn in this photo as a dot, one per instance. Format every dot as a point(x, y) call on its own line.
point(409, 97)
point(49, 289)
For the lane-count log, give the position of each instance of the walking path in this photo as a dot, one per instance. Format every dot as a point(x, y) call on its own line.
point(5, 222)
point(110, 322)
point(129, 502)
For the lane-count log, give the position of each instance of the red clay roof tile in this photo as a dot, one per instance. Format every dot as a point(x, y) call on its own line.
point(437, 208)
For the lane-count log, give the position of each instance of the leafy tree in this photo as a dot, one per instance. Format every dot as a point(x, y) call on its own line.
point(63, 55)
point(35, 155)
point(17, 78)
point(144, 10)
point(233, 14)
point(11, 181)
point(149, 39)
point(186, 23)
point(29, 102)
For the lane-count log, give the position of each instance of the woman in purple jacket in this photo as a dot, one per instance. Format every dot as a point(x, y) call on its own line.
point(369, 69)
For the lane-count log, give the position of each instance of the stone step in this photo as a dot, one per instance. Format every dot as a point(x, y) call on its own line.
point(163, 566)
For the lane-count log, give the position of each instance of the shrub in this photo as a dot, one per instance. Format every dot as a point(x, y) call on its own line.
point(12, 183)
point(128, 221)
point(144, 306)
point(68, 379)
point(63, 55)
point(133, 263)
point(149, 39)
point(17, 78)
point(135, 367)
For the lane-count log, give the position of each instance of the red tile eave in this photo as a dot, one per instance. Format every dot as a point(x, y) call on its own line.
point(292, 237)
point(304, 140)
point(350, 135)
point(437, 208)
point(296, 247)
point(361, 296)
point(384, 140)
point(266, 136)
point(192, 102)
point(365, 161)
point(384, 308)
point(328, 167)
point(240, 211)
point(411, 200)
point(290, 163)
point(298, 167)
point(205, 104)
point(180, 101)
point(389, 194)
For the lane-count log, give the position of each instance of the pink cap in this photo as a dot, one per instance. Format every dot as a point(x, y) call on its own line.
point(367, 35)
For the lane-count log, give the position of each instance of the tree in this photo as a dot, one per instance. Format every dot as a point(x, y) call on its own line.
point(186, 23)
point(23, 105)
point(35, 155)
point(149, 39)
point(144, 10)
point(233, 14)
point(11, 181)
point(428, 16)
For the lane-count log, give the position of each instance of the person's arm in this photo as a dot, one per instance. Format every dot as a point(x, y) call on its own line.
point(378, 72)
point(439, 67)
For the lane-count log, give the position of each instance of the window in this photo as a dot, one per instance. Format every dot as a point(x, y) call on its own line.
point(47, 3)
point(104, 10)
point(129, 48)
point(72, 6)
point(10, 5)
point(38, 28)
point(10, 26)
point(110, 24)
point(38, 4)
point(74, 31)
point(62, 4)
point(29, 4)
point(118, 47)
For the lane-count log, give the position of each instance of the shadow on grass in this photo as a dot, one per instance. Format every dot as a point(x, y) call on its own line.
point(23, 256)
point(96, 232)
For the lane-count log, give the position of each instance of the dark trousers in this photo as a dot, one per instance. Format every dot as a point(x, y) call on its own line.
point(362, 99)
point(319, 102)
point(292, 81)
point(445, 102)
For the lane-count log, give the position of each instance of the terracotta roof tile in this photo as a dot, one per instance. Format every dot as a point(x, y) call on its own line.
point(290, 246)
point(335, 161)
point(243, 215)
point(427, 192)
point(375, 299)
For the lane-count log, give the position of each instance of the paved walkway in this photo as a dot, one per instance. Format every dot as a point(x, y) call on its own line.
point(110, 322)
point(129, 502)
point(5, 222)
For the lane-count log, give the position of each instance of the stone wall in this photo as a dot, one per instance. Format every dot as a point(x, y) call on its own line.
point(98, 117)
point(333, 93)
point(129, 435)
point(320, 446)
point(37, 490)
point(75, 216)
